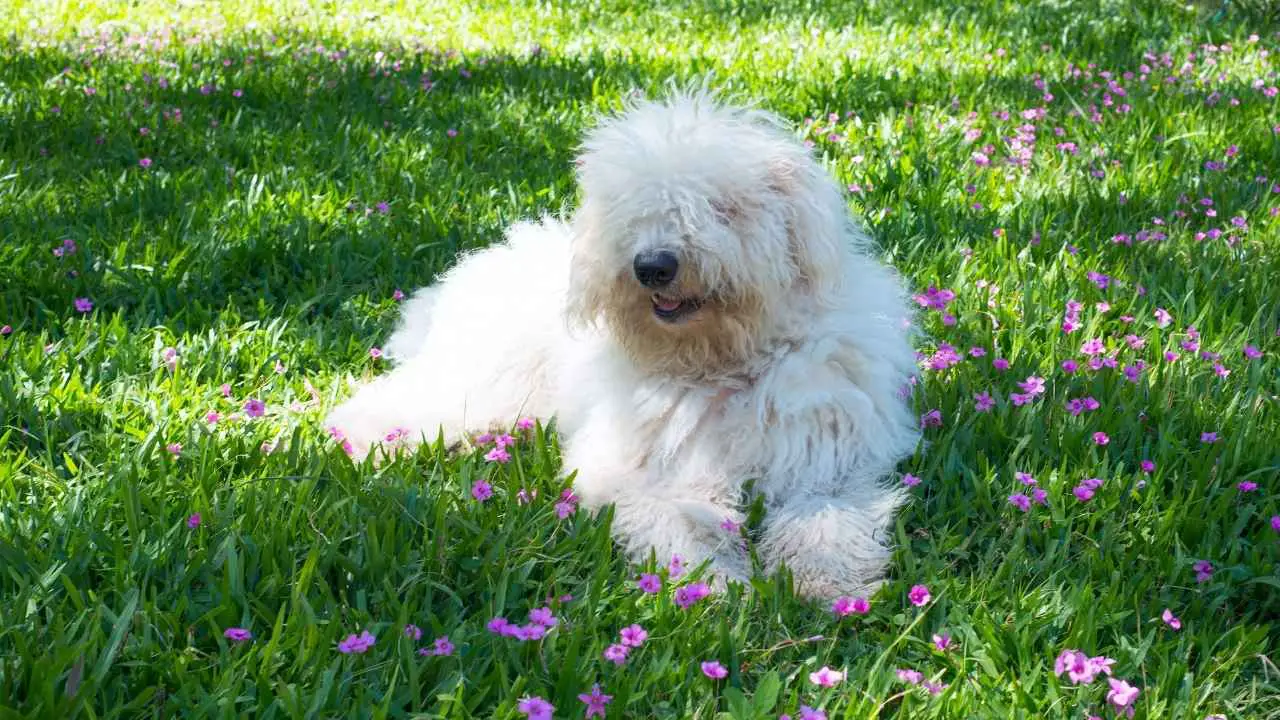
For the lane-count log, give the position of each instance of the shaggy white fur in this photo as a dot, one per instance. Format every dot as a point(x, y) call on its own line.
point(711, 316)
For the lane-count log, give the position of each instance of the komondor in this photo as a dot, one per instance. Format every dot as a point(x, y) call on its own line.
point(710, 319)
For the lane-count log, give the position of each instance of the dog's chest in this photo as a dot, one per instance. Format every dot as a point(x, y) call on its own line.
point(684, 430)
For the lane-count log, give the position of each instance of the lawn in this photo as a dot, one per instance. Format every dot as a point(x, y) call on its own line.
point(207, 212)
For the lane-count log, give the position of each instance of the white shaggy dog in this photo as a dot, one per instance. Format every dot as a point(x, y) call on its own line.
point(710, 317)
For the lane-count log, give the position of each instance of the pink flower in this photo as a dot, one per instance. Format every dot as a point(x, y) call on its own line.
point(675, 568)
point(617, 654)
point(1245, 486)
point(1100, 438)
point(1093, 347)
point(1024, 478)
point(543, 616)
point(919, 595)
point(356, 643)
point(1083, 493)
point(633, 636)
point(193, 522)
point(1163, 318)
point(1204, 570)
point(498, 626)
point(845, 605)
point(525, 423)
point(689, 595)
point(236, 634)
point(144, 163)
point(375, 352)
point(1020, 501)
point(910, 480)
point(1080, 668)
point(808, 713)
point(935, 299)
point(1070, 366)
point(254, 408)
point(1018, 399)
point(1209, 437)
point(933, 688)
point(498, 455)
point(1040, 496)
point(535, 708)
point(175, 449)
point(398, 295)
point(442, 647)
point(1252, 352)
point(911, 677)
point(225, 389)
point(826, 677)
point(649, 583)
point(1275, 523)
point(714, 670)
point(983, 402)
point(595, 701)
point(942, 642)
point(532, 631)
point(933, 418)
point(5, 330)
point(1000, 364)
point(1121, 695)
point(413, 632)
point(1148, 467)
point(84, 305)
point(1032, 385)
point(1170, 619)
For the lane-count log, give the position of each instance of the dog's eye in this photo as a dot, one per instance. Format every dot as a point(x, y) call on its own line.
point(726, 212)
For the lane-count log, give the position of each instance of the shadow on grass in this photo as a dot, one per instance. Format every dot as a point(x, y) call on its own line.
point(275, 211)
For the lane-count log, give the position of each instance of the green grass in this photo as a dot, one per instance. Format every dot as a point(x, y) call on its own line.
point(254, 246)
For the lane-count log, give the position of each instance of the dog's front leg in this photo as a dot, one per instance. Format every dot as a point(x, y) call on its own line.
point(400, 408)
point(833, 544)
point(666, 520)
point(692, 528)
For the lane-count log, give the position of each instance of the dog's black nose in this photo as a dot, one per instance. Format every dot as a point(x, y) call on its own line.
point(656, 269)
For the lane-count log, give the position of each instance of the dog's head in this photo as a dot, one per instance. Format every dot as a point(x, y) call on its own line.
point(706, 232)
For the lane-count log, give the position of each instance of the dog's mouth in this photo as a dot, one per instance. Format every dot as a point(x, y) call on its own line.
point(671, 310)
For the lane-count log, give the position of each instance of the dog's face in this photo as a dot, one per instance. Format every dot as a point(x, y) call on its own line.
point(704, 233)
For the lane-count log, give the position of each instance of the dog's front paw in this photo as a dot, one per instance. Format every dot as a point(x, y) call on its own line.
point(820, 584)
point(724, 570)
point(357, 432)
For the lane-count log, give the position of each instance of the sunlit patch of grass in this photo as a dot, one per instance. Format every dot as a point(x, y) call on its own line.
point(300, 166)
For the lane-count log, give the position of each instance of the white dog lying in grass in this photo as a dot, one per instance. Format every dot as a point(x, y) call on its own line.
point(709, 317)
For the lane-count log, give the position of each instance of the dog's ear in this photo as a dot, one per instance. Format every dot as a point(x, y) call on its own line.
point(587, 294)
point(818, 223)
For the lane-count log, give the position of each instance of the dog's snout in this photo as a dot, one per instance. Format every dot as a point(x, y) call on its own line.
point(656, 269)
